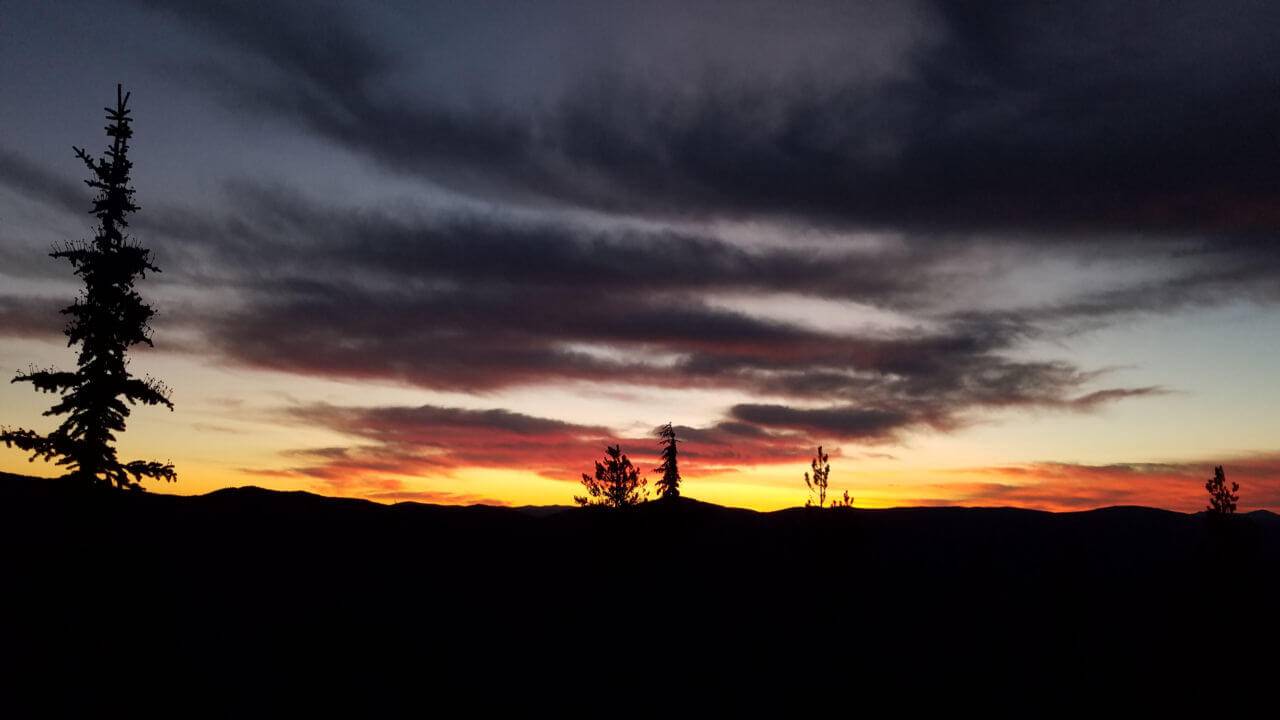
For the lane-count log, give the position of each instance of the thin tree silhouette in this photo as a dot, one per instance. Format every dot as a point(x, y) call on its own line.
point(617, 483)
point(668, 485)
point(817, 484)
point(106, 320)
point(1221, 500)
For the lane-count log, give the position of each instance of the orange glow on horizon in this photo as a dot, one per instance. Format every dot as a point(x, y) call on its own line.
point(1046, 486)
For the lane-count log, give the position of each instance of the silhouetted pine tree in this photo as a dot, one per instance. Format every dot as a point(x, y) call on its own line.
point(106, 320)
point(1221, 500)
point(817, 484)
point(617, 483)
point(669, 484)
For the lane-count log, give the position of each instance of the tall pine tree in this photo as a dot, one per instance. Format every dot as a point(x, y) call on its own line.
point(668, 485)
point(106, 320)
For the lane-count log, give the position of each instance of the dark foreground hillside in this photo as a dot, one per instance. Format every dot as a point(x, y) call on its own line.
point(244, 591)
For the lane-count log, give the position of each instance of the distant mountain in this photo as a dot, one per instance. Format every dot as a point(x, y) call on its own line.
point(542, 510)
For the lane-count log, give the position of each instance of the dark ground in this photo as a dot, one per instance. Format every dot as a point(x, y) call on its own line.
point(246, 593)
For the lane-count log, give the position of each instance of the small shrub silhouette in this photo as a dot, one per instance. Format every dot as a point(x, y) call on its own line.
point(107, 319)
point(1222, 501)
point(843, 502)
point(669, 484)
point(617, 483)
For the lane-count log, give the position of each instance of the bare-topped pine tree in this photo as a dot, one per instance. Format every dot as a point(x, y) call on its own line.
point(668, 485)
point(107, 319)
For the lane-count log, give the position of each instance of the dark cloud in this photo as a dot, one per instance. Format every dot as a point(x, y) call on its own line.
point(844, 423)
point(1136, 118)
point(1213, 274)
point(313, 66)
point(470, 247)
point(472, 303)
point(20, 174)
point(477, 339)
point(31, 317)
point(942, 412)
point(1099, 397)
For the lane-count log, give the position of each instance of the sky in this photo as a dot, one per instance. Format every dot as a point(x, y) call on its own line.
point(1012, 254)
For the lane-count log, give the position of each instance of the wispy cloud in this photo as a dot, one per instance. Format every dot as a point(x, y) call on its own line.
point(1071, 486)
point(392, 442)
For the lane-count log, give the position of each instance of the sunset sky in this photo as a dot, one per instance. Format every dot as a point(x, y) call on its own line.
point(985, 255)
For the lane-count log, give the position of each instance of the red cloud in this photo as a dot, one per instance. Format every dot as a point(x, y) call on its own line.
point(395, 442)
point(1067, 486)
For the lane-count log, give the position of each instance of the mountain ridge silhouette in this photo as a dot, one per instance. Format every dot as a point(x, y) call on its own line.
point(257, 491)
point(263, 581)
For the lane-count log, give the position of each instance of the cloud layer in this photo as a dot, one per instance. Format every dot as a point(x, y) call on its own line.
point(1003, 118)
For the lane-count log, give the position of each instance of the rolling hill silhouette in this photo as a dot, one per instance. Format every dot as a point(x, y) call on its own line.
point(249, 583)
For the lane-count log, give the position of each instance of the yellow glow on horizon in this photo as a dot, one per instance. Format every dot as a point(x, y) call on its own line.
point(231, 421)
point(762, 488)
